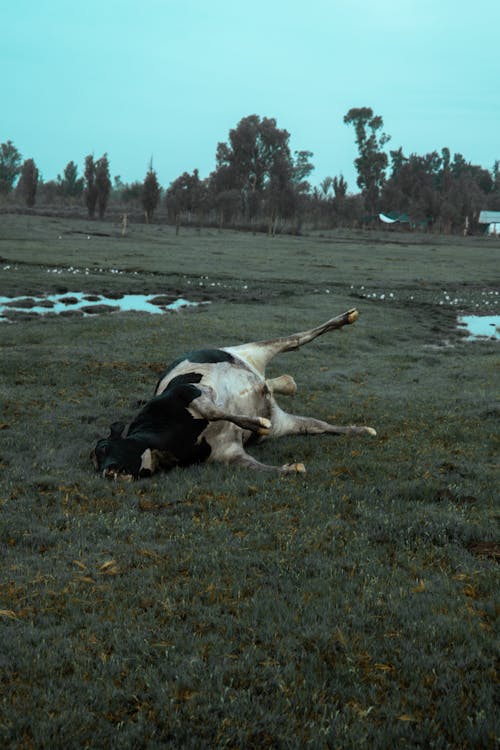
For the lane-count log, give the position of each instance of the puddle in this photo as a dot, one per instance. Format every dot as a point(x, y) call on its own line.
point(481, 326)
point(84, 303)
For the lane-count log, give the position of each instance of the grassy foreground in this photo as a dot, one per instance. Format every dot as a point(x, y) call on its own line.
point(213, 607)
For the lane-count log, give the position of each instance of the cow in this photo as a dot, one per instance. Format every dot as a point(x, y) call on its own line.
point(208, 404)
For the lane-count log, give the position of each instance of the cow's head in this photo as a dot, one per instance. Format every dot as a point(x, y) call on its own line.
point(116, 457)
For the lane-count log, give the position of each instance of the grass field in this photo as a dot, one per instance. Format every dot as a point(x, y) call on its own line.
point(354, 606)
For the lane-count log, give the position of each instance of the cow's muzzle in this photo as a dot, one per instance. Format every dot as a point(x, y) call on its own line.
point(112, 472)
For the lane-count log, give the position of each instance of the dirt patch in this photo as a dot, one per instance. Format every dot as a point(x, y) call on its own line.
point(29, 303)
point(99, 309)
point(114, 295)
point(162, 299)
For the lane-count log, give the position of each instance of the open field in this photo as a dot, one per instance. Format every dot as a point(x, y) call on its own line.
point(212, 607)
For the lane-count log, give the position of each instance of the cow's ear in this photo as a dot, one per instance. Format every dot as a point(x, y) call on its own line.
point(116, 430)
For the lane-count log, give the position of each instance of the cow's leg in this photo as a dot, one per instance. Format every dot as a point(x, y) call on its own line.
point(203, 407)
point(239, 457)
point(283, 423)
point(285, 384)
point(260, 353)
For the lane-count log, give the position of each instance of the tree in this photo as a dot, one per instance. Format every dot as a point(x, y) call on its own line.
point(131, 193)
point(102, 184)
point(372, 161)
point(495, 175)
point(438, 189)
point(184, 196)
point(256, 148)
point(415, 185)
point(330, 200)
point(71, 186)
point(48, 193)
point(325, 185)
point(280, 194)
point(302, 168)
point(90, 185)
point(227, 199)
point(150, 193)
point(28, 182)
point(470, 190)
point(300, 188)
point(257, 162)
point(228, 205)
point(339, 185)
point(10, 166)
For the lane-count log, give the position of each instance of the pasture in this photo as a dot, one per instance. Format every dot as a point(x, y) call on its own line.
point(214, 607)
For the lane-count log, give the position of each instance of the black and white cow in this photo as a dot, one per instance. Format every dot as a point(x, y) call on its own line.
point(208, 404)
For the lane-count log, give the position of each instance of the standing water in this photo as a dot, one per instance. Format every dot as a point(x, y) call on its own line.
point(88, 304)
point(481, 326)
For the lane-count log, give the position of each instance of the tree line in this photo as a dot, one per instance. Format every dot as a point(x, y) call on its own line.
point(259, 183)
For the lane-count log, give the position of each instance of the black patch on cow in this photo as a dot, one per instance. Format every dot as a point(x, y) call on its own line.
point(204, 356)
point(188, 377)
point(165, 424)
point(116, 430)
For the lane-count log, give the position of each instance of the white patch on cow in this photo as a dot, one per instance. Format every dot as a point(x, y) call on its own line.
point(147, 461)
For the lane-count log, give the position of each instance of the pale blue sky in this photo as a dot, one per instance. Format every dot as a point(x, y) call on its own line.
point(169, 78)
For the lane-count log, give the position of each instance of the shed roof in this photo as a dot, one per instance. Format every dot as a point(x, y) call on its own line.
point(489, 217)
point(390, 217)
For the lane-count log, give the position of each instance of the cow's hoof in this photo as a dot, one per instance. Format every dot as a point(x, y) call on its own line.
point(294, 469)
point(265, 426)
point(352, 315)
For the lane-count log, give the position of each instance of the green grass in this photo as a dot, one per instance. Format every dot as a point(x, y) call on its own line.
point(214, 607)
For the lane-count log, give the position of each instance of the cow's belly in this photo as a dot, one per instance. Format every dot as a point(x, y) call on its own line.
point(235, 387)
point(240, 392)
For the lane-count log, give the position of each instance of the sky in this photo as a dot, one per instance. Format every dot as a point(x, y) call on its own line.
point(168, 79)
